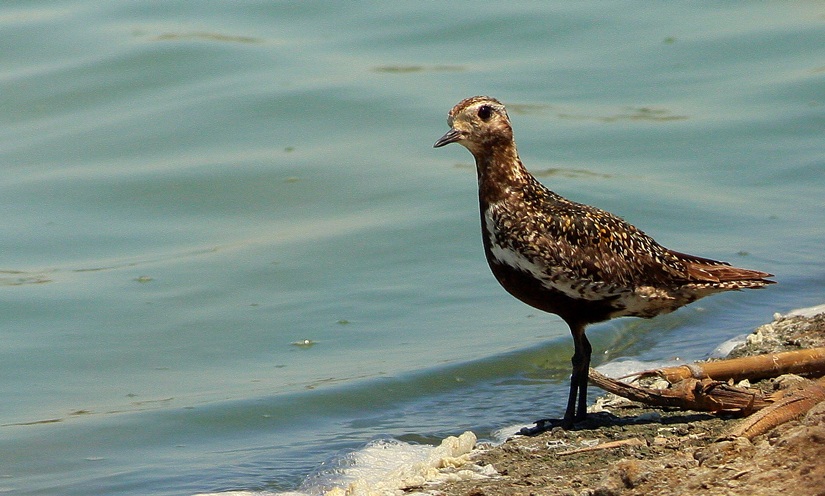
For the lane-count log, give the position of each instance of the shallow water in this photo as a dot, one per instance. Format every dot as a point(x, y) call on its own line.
point(192, 192)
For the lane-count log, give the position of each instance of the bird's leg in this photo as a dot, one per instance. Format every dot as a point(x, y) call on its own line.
point(578, 387)
point(584, 372)
point(570, 412)
point(581, 362)
point(578, 380)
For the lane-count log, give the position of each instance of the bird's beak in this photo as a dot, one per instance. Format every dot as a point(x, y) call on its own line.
point(451, 136)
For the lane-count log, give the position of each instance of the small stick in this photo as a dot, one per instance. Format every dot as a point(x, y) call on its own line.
point(633, 441)
point(792, 405)
point(690, 394)
point(801, 362)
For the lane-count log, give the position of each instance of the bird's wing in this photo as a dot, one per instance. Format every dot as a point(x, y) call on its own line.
point(597, 245)
point(603, 247)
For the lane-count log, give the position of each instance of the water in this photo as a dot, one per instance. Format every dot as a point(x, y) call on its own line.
point(189, 189)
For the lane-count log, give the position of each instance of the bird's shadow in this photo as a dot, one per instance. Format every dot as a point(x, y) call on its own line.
point(606, 419)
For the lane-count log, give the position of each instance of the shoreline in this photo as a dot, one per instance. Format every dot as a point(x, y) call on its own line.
point(660, 451)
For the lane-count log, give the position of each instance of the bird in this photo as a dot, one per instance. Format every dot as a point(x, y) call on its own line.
point(577, 261)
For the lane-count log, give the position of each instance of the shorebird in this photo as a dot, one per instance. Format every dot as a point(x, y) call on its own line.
point(576, 261)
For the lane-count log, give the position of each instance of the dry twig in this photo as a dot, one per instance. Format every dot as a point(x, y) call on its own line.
point(809, 362)
point(691, 394)
point(633, 441)
point(792, 405)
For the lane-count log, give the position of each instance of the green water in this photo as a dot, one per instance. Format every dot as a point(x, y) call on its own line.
point(189, 189)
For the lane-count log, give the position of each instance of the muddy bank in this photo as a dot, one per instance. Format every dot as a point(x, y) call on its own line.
point(663, 452)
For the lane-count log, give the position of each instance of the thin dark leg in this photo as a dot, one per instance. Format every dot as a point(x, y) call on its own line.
point(581, 362)
point(570, 412)
point(584, 373)
point(578, 387)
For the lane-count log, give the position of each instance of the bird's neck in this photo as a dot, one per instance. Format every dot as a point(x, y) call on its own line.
point(500, 172)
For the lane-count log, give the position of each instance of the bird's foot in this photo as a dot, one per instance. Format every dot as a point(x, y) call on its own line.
point(545, 425)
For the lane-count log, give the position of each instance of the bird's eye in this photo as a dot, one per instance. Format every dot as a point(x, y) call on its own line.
point(485, 112)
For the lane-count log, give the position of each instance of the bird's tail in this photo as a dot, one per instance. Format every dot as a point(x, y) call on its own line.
point(713, 271)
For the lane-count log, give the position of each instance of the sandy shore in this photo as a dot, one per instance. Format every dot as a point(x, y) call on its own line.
point(665, 452)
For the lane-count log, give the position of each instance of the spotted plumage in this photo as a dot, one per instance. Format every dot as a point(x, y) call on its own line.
point(577, 261)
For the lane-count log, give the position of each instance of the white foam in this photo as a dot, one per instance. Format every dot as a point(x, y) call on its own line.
point(725, 348)
point(622, 368)
point(807, 312)
point(250, 493)
point(501, 435)
point(385, 467)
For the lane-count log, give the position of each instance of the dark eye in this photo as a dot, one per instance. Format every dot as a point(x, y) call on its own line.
point(485, 112)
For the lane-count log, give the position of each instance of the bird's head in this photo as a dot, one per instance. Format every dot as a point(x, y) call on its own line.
point(477, 123)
